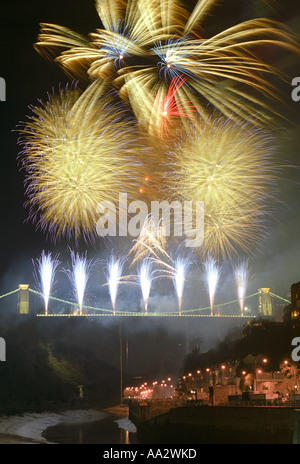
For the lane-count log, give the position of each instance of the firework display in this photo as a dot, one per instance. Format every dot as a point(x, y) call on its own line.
point(77, 153)
point(143, 45)
point(212, 273)
point(45, 275)
point(115, 267)
point(145, 276)
point(231, 168)
point(149, 271)
point(78, 274)
point(241, 275)
point(167, 93)
point(181, 267)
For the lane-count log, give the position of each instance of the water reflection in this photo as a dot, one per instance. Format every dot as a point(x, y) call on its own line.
point(105, 431)
point(124, 437)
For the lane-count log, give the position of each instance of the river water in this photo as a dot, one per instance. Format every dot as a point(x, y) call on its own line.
point(105, 431)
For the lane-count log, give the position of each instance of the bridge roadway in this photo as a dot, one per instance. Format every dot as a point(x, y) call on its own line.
point(120, 314)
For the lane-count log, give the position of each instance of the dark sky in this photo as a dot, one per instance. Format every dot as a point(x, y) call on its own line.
point(29, 77)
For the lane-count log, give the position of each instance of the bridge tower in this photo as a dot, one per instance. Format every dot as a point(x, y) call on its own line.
point(23, 302)
point(265, 302)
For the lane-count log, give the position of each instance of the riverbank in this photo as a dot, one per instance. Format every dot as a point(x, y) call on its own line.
point(29, 427)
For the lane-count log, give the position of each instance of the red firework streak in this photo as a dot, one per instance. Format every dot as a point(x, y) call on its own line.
point(170, 107)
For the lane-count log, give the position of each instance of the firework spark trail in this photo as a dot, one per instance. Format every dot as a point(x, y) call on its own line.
point(232, 169)
point(149, 43)
point(79, 274)
point(114, 276)
point(150, 247)
point(165, 107)
point(181, 266)
point(145, 277)
point(241, 275)
point(151, 242)
point(46, 268)
point(77, 153)
point(212, 274)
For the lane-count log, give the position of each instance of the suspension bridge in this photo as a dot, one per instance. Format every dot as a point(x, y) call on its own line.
point(72, 309)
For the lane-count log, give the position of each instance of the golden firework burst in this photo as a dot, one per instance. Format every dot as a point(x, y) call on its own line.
point(144, 45)
point(231, 169)
point(77, 154)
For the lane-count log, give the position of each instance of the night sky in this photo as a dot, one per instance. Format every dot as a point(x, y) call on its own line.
point(29, 77)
